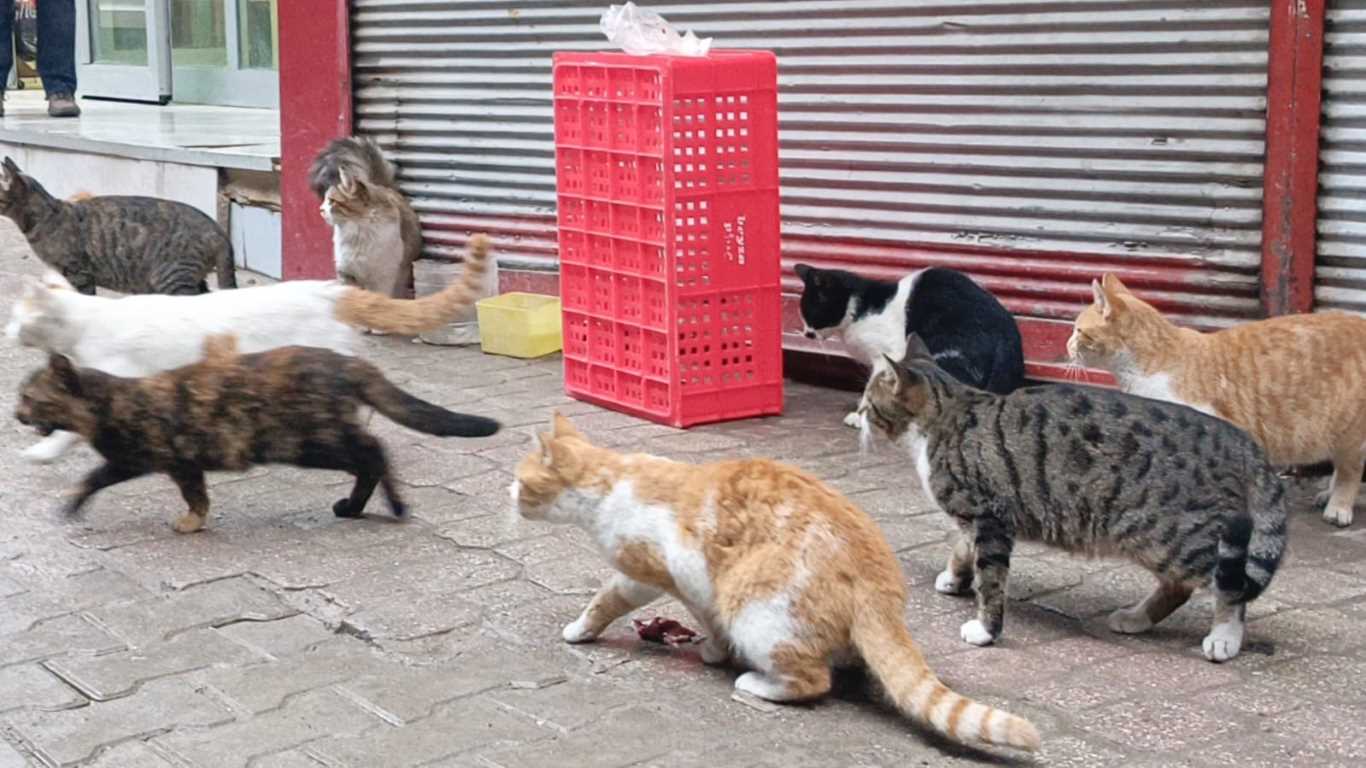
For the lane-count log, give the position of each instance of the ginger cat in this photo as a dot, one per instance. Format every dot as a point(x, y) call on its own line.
point(1294, 383)
point(780, 571)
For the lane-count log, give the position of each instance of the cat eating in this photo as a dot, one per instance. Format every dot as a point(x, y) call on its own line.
point(294, 405)
point(972, 336)
point(130, 244)
point(1293, 382)
point(1095, 472)
point(782, 572)
point(143, 335)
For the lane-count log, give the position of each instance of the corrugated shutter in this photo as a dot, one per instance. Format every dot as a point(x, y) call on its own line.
point(1340, 265)
point(1131, 131)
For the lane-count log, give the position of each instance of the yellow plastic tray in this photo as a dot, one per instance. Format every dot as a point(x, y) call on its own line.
point(520, 325)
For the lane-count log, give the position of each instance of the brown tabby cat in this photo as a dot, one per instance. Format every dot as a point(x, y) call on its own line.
point(291, 405)
point(782, 571)
point(1295, 383)
point(376, 235)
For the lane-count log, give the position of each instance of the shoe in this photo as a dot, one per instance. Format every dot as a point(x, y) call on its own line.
point(62, 105)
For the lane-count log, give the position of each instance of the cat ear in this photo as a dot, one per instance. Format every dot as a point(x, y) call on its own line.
point(1098, 296)
point(562, 427)
point(905, 377)
point(65, 372)
point(11, 167)
point(803, 271)
point(916, 349)
point(1112, 284)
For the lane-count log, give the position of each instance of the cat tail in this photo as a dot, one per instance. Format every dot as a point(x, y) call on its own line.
point(378, 312)
point(226, 268)
point(889, 651)
point(1252, 544)
point(415, 413)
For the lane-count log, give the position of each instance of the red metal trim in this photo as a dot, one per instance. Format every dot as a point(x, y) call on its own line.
point(315, 107)
point(1290, 206)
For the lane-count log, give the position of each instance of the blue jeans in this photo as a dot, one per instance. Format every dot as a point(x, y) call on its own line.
point(56, 44)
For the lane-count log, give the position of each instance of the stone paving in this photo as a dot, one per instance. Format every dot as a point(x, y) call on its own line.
point(283, 637)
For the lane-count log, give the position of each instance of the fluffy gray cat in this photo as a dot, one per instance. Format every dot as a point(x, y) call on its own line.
point(1187, 496)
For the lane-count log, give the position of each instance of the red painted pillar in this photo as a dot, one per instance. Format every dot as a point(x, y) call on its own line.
point(1290, 188)
point(315, 107)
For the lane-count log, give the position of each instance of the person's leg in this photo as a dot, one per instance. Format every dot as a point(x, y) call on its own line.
point(57, 55)
point(6, 44)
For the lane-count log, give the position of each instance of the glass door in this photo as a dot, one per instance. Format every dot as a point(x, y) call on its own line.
point(123, 49)
point(224, 52)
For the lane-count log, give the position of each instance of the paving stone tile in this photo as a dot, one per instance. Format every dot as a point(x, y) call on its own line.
point(1161, 725)
point(463, 726)
point(1315, 586)
point(68, 634)
point(11, 757)
point(71, 735)
point(206, 605)
point(278, 638)
point(579, 573)
point(1323, 678)
point(32, 686)
point(504, 595)
point(114, 675)
point(131, 754)
point(491, 530)
point(566, 706)
point(625, 737)
point(441, 506)
point(290, 758)
point(304, 718)
point(1130, 677)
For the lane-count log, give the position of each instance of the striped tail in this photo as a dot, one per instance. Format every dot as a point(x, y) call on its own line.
point(367, 309)
point(891, 654)
point(1252, 545)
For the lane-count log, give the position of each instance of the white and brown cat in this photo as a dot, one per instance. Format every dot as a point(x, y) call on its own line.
point(146, 334)
point(1294, 382)
point(787, 576)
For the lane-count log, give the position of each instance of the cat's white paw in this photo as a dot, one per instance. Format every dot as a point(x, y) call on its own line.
point(45, 452)
point(714, 652)
point(946, 583)
point(853, 420)
point(758, 684)
point(1223, 642)
point(578, 632)
point(1341, 517)
point(1128, 621)
point(975, 632)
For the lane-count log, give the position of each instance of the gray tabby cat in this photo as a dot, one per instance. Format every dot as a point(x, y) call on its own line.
point(1096, 472)
point(125, 243)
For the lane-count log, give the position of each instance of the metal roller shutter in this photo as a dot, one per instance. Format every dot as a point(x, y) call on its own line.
point(998, 136)
point(1340, 264)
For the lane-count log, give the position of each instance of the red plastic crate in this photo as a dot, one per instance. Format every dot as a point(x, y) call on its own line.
point(667, 176)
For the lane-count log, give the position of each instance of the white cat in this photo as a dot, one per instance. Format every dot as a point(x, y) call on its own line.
point(145, 334)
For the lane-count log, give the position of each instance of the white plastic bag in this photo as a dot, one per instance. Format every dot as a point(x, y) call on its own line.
point(641, 32)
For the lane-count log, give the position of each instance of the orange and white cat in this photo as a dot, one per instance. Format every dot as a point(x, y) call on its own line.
point(1296, 383)
point(782, 572)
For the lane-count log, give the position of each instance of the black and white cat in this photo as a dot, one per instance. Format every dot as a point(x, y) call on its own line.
point(967, 330)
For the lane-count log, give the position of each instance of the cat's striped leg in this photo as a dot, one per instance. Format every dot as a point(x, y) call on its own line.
point(992, 544)
point(1167, 597)
point(619, 597)
point(956, 578)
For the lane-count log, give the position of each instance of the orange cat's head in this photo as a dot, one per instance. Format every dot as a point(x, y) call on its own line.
point(1104, 332)
point(556, 468)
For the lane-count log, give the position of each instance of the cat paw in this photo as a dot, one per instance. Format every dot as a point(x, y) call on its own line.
point(1221, 644)
point(188, 523)
point(42, 453)
point(762, 686)
point(853, 420)
point(947, 583)
point(1128, 621)
point(578, 632)
point(1321, 498)
point(1341, 517)
point(399, 509)
point(714, 652)
point(343, 509)
point(976, 633)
